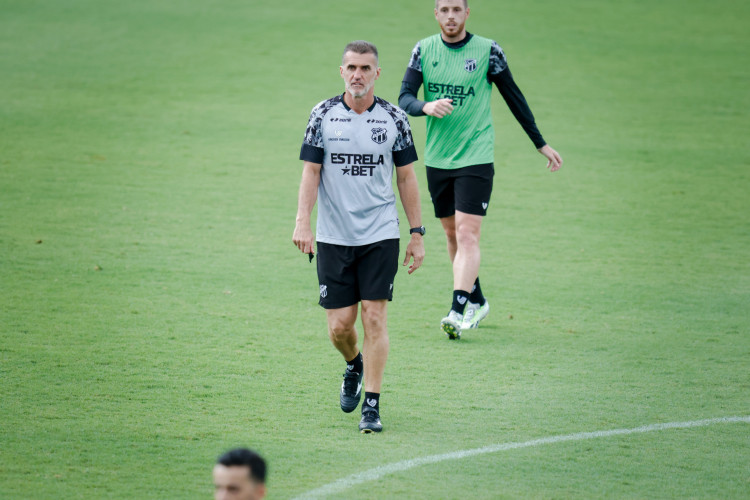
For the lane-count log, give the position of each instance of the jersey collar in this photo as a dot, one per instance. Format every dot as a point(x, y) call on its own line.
point(374, 102)
point(459, 44)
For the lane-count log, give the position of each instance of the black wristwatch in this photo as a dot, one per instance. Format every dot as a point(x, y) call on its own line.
point(421, 230)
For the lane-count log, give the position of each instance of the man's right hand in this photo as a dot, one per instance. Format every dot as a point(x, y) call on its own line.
point(439, 108)
point(303, 238)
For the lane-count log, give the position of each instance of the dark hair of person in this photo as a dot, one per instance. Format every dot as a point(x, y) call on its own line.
point(242, 457)
point(361, 47)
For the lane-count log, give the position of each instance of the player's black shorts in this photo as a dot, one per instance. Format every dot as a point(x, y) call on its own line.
point(347, 275)
point(465, 189)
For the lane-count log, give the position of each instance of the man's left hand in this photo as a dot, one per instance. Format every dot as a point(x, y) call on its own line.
point(554, 160)
point(415, 250)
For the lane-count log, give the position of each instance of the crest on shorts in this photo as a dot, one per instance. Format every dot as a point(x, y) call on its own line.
point(323, 291)
point(470, 65)
point(379, 135)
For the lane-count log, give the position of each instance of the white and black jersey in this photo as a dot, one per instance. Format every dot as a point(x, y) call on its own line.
point(356, 202)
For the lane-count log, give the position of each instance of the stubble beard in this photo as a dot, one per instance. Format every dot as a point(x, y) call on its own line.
point(361, 93)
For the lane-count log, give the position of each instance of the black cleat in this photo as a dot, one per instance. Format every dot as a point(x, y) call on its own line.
point(351, 391)
point(370, 420)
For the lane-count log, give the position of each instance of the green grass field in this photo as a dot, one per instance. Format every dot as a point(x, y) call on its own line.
point(154, 312)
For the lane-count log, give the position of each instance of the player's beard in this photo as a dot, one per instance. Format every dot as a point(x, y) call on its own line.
point(360, 93)
point(454, 31)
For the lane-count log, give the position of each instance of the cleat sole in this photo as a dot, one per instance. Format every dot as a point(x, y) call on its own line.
point(451, 331)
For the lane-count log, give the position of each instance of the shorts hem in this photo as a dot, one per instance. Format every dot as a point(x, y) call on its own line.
point(336, 306)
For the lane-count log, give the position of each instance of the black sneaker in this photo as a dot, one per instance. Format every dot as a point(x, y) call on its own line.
point(370, 420)
point(351, 391)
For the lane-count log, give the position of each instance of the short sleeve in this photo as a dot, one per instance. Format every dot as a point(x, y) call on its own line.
point(312, 145)
point(415, 61)
point(498, 62)
point(404, 151)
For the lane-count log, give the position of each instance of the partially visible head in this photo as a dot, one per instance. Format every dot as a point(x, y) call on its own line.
point(451, 15)
point(359, 68)
point(465, 2)
point(239, 474)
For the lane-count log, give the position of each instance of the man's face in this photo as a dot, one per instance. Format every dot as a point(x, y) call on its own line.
point(235, 483)
point(451, 15)
point(359, 72)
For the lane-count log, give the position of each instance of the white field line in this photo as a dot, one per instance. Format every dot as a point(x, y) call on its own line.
point(378, 472)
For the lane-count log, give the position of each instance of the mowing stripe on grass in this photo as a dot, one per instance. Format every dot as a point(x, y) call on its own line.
point(378, 472)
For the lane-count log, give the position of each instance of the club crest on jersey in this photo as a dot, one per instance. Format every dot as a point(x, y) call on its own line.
point(379, 135)
point(470, 65)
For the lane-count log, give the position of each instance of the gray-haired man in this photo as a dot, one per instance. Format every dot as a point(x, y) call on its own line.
point(351, 145)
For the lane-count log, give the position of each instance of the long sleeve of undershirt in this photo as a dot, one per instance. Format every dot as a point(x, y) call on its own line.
point(517, 104)
point(407, 98)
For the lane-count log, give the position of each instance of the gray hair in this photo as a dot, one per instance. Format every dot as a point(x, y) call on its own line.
point(360, 47)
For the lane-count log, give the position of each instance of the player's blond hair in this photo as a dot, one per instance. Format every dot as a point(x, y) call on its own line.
point(466, 4)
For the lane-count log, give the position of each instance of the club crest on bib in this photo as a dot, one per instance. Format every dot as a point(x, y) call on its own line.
point(470, 65)
point(379, 135)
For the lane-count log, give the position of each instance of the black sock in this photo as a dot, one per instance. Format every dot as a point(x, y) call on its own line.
point(355, 365)
point(476, 296)
point(460, 297)
point(372, 399)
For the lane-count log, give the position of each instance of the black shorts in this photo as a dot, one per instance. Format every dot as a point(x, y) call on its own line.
point(347, 275)
point(465, 189)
